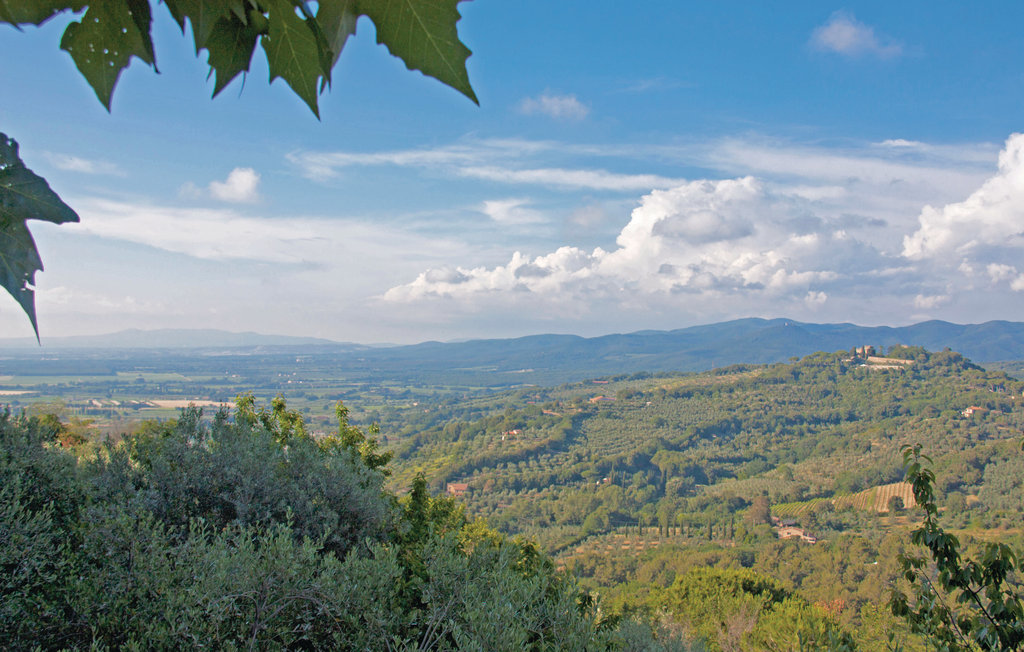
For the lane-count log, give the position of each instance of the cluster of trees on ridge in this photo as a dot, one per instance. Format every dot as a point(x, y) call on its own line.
point(675, 451)
point(681, 461)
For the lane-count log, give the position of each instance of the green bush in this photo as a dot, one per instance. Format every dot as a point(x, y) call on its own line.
point(251, 534)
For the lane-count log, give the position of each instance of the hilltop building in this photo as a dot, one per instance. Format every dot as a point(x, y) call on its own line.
point(458, 488)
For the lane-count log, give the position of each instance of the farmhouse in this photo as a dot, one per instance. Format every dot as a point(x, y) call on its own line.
point(793, 532)
point(458, 488)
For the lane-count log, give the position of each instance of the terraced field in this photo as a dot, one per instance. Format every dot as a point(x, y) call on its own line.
point(875, 499)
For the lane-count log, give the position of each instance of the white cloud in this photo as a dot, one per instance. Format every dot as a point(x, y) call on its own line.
point(320, 166)
point(992, 217)
point(844, 34)
point(560, 107)
point(846, 167)
point(569, 179)
point(902, 142)
point(927, 302)
point(701, 239)
point(213, 234)
point(859, 186)
point(953, 154)
point(500, 161)
point(787, 228)
point(882, 181)
point(999, 272)
point(241, 186)
point(512, 211)
point(815, 298)
point(227, 235)
point(806, 230)
point(71, 163)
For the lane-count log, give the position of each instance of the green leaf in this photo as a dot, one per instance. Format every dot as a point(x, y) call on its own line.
point(35, 12)
point(422, 33)
point(230, 45)
point(337, 19)
point(143, 19)
point(204, 15)
point(103, 43)
point(222, 29)
point(293, 52)
point(326, 56)
point(23, 196)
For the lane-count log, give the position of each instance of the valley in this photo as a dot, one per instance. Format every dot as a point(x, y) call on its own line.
point(631, 481)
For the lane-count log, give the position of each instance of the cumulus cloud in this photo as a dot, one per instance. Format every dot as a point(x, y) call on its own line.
point(817, 231)
point(887, 186)
point(241, 186)
point(787, 227)
point(845, 35)
point(560, 107)
point(1000, 272)
point(927, 302)
point(703, 239)
point(992, 217)
point(815, 298)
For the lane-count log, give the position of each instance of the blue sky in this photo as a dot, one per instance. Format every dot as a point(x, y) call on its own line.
point(676, 164)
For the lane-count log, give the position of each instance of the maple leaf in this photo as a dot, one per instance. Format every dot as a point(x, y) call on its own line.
point(24, 196)
point(230, 46)
point(294, 51)
point(20, 12)
point(337, 19)
point(203, 15)
point(423, 34)
point(108, 36)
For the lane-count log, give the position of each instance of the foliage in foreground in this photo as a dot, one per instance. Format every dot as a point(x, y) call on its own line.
point(733, 609)
point(302, 42)
point(252, 534)
point(958, 602)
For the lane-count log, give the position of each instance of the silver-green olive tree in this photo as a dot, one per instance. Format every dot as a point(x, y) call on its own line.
point(301, 40)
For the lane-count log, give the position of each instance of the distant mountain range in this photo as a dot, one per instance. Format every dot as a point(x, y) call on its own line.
point(170, 338)
point(697, 348)
point(561, 358)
